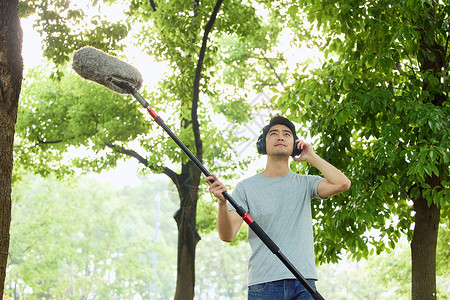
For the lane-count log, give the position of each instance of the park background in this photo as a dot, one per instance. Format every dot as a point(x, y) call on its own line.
point(115, 232)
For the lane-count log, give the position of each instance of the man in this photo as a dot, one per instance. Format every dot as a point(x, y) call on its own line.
point(279, 200)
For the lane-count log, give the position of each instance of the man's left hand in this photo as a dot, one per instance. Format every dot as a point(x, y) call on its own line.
point(307, 151)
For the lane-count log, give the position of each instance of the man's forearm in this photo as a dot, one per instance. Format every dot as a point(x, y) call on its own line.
point(330, 172)
point(228, 222)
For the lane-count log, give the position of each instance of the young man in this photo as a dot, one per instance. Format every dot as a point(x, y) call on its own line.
point(279, 200)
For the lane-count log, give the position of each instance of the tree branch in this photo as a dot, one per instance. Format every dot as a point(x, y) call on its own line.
point(48, 142)
point(198, 71)
point(152, 4)
point(195, 4)
point(273, 69)
point(167, 171)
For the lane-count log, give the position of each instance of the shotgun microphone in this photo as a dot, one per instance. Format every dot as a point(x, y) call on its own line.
point(96, 65)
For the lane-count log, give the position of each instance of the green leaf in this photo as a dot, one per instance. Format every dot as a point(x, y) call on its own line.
point(391, 244)
point(433, 155)
point(293, 11)
point(342, 117)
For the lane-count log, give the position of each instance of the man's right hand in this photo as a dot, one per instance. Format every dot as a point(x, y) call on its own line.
point(217, 188)
point(228, 222)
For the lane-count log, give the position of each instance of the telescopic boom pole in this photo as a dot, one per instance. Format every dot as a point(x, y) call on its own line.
point(245, 216)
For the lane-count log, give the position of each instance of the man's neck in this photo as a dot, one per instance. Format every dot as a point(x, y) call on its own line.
point(276, 166)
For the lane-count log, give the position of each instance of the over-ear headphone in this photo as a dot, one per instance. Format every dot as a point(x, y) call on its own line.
point(261, 146)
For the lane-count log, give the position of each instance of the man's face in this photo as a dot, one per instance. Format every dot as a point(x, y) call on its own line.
point(279, 141)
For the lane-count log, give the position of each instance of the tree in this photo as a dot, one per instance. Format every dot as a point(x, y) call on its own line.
point(186, 34)
point(350, 281)
point(222, 269)
point(379, 109)
point(82, 238)
point(11, 70)
point(393, 269)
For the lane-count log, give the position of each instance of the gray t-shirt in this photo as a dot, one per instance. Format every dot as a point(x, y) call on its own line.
point(282, 207)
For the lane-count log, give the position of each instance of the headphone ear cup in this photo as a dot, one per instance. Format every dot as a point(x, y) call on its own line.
point(261, 145)
point(296, 151)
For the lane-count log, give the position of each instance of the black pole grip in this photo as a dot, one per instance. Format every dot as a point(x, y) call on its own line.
point(317, 296)
point(264, 237)
point(299, 276)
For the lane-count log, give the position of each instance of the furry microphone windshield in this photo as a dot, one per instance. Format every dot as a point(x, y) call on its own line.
point(95, 65)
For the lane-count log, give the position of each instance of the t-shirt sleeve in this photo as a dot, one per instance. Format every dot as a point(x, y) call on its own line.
point(314, 182)
point(239, 197)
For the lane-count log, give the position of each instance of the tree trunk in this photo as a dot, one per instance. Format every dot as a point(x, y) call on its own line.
point(188, 237)
point(423, 250)
point(11, 71)
point(432, 59)
point(187, 185)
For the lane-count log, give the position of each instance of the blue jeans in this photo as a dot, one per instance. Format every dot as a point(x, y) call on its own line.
point(288, 289)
